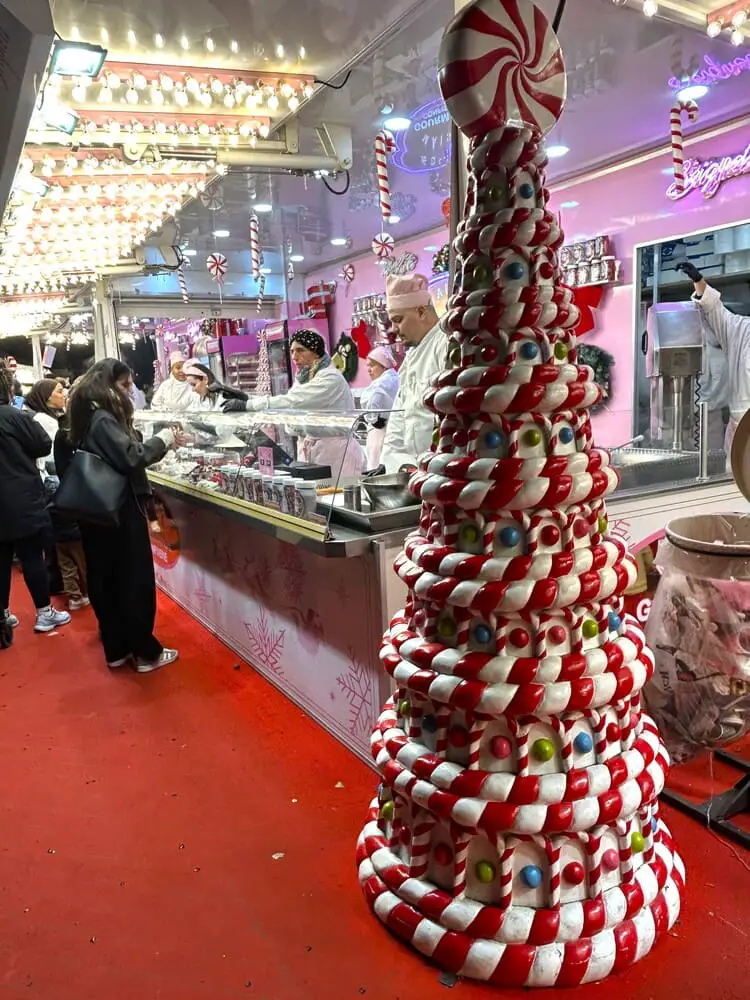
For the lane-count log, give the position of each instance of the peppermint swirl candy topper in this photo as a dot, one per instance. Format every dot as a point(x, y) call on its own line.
point(382, 246)
point(500, 63)
point(217, 267)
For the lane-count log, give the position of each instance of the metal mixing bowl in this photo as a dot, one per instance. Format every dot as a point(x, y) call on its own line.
point(389, 492)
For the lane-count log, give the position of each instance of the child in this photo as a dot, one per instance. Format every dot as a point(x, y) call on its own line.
point(69, 551)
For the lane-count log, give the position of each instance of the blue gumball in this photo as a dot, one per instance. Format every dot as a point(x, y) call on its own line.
point(654, 823)
point(614, 621)
point(515, 271)
point(526, 190)
point(510, 537)
point(493, 439)
point(483, 634)
point(531, 875)
point(566, 435)
point(583, 743)
point(529, 351)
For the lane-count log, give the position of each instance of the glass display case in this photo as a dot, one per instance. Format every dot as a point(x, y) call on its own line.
point(298, 470)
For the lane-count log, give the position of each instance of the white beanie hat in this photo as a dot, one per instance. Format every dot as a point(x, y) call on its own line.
point(406, 291)
point(175, 356)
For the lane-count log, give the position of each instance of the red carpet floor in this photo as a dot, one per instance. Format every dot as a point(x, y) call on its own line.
point(190, 836)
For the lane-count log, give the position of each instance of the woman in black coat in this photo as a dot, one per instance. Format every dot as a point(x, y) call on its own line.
point(24, 521)
point(121, 582)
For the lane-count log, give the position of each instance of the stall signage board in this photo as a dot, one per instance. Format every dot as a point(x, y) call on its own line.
point(265, 461)
point(711, 71)
point(426, 145)
point(707, 176)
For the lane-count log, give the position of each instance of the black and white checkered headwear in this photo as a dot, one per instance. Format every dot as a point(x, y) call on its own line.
point(311, 340)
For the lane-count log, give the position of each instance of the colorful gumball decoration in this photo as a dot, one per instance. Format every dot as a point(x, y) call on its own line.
point(526, 847)
point(217, 267)
point(382, 246)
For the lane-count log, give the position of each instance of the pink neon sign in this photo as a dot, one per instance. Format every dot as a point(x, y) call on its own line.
point(711, 71)
point(707, 176)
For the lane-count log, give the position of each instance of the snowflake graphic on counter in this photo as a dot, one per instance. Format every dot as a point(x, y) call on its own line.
point(266, 645)
point(294, 572)
point(356, 684)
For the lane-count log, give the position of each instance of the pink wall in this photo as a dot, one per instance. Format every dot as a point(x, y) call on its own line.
point(629, 204)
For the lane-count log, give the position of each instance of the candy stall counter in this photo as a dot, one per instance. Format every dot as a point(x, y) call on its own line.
point(243, 539)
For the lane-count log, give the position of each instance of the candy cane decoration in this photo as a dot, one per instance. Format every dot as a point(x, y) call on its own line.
point(261, 290)
point(675, 125)
point(506, 874)
point(385, 146)
point(217, 267)
point(183, 283)
point(255, 246)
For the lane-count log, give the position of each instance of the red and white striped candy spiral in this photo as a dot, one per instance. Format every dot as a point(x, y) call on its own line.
point(675, 127)
point(382, 246)
point(385, 146)
point(500, 62)
point(261, 290)
point(217, 267)
point(183, 283)
point(255, 246)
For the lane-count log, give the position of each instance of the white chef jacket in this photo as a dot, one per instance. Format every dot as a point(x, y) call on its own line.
point(51, 426)
point(173, 395)
point(378, 398)
point(327, 390)
point(411, 425)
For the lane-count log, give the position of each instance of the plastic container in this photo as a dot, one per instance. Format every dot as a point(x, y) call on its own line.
point(699, 632)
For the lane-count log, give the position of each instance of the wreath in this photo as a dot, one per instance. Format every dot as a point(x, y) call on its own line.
point(601, 364)
point(441, 260)
point(346, 357)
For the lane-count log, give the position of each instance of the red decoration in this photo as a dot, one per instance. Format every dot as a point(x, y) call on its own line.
point(360, 338)
point(319, 297)
point(445, 208)
point(587, 299)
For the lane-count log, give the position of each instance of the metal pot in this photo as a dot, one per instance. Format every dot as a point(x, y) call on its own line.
point(389, 492)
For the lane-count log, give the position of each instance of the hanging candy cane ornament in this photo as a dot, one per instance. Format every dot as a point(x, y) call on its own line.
point(255, 246)
point(183, 283)
point(500, 63)
point(382, 246)
point(675, 126)
point(217, 267)
point(385, 146)
point(290, 271)
point(261, 290)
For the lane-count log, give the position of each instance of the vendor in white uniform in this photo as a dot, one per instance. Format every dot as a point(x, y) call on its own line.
point(175, 393)
point(415, 323)
point(377, 399)
point(318, 386)
point(732, 334)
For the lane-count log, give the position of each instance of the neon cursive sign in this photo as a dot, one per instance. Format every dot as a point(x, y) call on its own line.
point(711, 71)
point(707, 176)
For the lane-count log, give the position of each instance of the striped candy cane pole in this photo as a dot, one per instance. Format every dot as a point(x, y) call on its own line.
point(626, 854)
point(261, 290)
point(461, 843)
point(183, 284)
point(562, 728)
point(599, 725)
point(415, 718)
point(424, 823)
point(255, 246)
point(385, 145)
point(648, 834)
point(476, 730)
point(441, 739)
point(520, 735)
point(594, 850)
point(506, 875)
point(675, 125)
point(555, 873)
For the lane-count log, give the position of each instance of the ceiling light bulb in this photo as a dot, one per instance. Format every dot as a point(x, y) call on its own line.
point(395, 219)
point(210, 44)
point(104, 34)
point(181, 98)
point(736, 38)
point(206, 99)
point(191, 85)
point(105, 95)
point(308, 90)
point(554, 152)
point(280, 51)
point(293, 102)
point(692, 93)
point(217, 87)
point(140, 82)
point(156, 96)
point(739, 18)
point(398, 123)
point(229, 101)
point(131, 37)
point(78, 93)
point(650, 8)
point(273, 102)
point(302, 51)
point(234, 46)
point(159, 40)
point(132, 96)
point(166, 83)
point(263, 131)
point(184, 43)
point(203, 129)
point(113, 81)
point(252, 100)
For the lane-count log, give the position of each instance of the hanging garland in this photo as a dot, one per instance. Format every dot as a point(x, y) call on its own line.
point(601, 364)
point(441, 260)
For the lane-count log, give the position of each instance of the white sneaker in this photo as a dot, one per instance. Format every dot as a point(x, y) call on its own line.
point(126, 661)
point(11, 619)
point(78, 603)
point(146, 667)
point(48, 619)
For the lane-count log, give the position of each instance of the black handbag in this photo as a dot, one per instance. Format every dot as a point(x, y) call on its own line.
point(92, 490)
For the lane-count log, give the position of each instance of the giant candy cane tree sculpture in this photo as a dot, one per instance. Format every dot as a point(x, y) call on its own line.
point(516, 837)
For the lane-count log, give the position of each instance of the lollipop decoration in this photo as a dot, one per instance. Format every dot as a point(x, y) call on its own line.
point(516, 836)
point(690, 108)
point(255, 246)
point(217, 267)
point(500, 63)
point(347, 273)
point(382, 246)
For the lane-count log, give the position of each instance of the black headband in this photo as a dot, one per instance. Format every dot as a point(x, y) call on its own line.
point(311, 340)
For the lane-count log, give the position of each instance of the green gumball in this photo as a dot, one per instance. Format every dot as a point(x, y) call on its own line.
point(485, 872)
point(543, 750)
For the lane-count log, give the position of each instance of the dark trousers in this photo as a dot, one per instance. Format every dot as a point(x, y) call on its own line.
point(121, 583)
point(30, 552)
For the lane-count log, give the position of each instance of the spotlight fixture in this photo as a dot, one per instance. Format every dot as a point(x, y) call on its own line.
point(714, 28)
point(736, 38)
point(263, 207)
point(76, 59)
point(650, 8)
point(297, 258)
point(692, 93)
point(221, 234)
point(339, 241)
point(59, 117)
point(556, 151)
point(398, 123)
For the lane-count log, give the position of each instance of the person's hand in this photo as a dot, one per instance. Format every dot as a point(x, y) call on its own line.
point(179, 435)
point(690, 270)
point(233, 406)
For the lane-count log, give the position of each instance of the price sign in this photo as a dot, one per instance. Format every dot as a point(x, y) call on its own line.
point(265, 461)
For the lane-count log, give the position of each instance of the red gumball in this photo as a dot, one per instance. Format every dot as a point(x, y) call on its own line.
point(557, 635)
point(574, 873)
point(443, 855)
point(519, 638)
point(550, 535)
point(458, 736)
point(488, 353)
point(580, 527)
point(500, 747)
point(613, 732)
